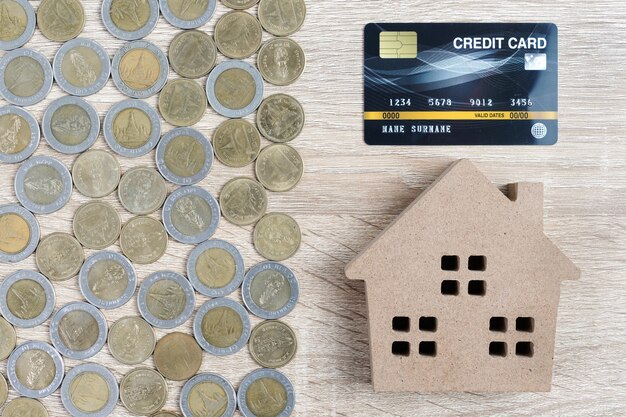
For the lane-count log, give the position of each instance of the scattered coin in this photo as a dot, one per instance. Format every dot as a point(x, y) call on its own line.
point(184, 156)
point(19, 233)
point(59, 256)
point(8, 339)
point(196, 391)
point(270, 290)
point(282, 17)
point(35, 370)
point(165, 414)
point(43, 185)
point(281, 61)
point(191, 215)
point(132, 128)
point(215, 268)
point(238, 34)
point(130, 19)
point(81, 67)
point(70, 125)
point(277, 236)
point(239, 4)
point(222, 326)
point(267, 393)
point(237, 143)
point(143, 391)
point(26, 298)
point(19, 134)
point(107, 280)
point(20, 407)
point(131, 340)
point(280, 118)
point(4, 390)
point(142, 190)
point(182, 102)
point(192, 54)
point(89, 390)
point(279, 167)
point(96, 225)
point(166, 299)
point(18, 24)
point(273, 344)
point(96, 173)
point(78, 330)
point(27, 77)
point(234, 89)
point(177, 356)
point(143, 240)
point(140, 69)
point(243, 201)
point(187, 15)
point(60, 20)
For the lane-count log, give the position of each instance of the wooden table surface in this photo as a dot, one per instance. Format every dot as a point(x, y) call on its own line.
point(350, 192)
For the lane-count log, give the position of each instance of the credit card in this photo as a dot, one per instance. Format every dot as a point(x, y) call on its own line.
point(461, 84)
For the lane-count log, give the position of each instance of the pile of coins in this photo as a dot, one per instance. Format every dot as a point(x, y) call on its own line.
point(190, 214)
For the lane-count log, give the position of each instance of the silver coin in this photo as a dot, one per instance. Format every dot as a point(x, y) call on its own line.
point(213, 99)
point(270, 290)
point(78, 395)
point(107, 280)
point(78, 330)
point(142, 190)
point(191, 215)
point(217, 267)
point(19, 134)
point(179, 17)
point(275, 375)
point(15, 35)
point(141, 19)
point(192, 155)
point(172, 296)
point(43, 184)
point(90, 63)
point(228, 304)
point(26, 298)
point(19, 233)
point(121, 138)
point(25, 67)
point(76, 133)
point(139, 68)
point(39, 373)
point(210, 378)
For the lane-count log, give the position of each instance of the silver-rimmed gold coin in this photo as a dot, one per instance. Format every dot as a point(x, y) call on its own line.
point(142, 190)
point(140, 69)
point(81, 67)
point(222, 326)
point(195, 395)
point(19, 134)
point(215, 268)
point(243, 201)
point(107, 280)
point(184, 156)
point(143, 391)
point(237, 143)
point(70, 125)
point(19, 233)
point(186, 14)
point(277, 236)
point(27, 77)
point(18, 24)
point(267, 393)
point(192, 54)
point(96, 225)
point(89, 390)
point(235, 89)
point(182, 102)
point(8, 339)
point(26, 298)
point(270, 290)
point(282, 17)
point(279, 167)
point(59, 256)
point(131, 340)
point(130, 19)
point(280, 118)
point(35, 370)
point(238, 34)
point(43, 184)
point(96, 173)
point(273, 344)
point(239, 4)
point(78, 330)
point(143, 240)
point(281, 61)
point(132, 128)
point(4, 390)
point(22, 406)
point(60, 20)
point(177, 356)
point(166, 299)
point(191, 215)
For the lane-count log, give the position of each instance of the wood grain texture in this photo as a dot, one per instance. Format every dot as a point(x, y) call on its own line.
point(350, 192)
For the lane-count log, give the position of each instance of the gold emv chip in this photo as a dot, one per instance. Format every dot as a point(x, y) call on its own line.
point(398, 45)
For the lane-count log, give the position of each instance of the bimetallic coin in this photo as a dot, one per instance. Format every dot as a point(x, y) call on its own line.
point(208, 394)
point(60, 20)
point(19, 134)
point(273, 344)
point(239, 4)
point(89, 390)
point(186, 14)
point(81, 67)
point(182, 102)
point(96, 225)
point(270, 290)
point(26, 77)
point(70, 125)
point(26, 298)
point(266, 393)
point(132, 128)
point(277, 236)
point(17, 20)
point(140, 69)
point(4, 390)
point(142, 190)
point(215, 268)
point(96, 173)
point(166, 299)
point(191, 215)
point(19, 233)
point(35, 370)
point(184, 156)
point(237, 143)
point(222, 326)
point(21, 406)
point(281, 61)
point(192, 54)
point(280, 118)
point(177, 356)
point(43, 185)
point(8, 339)
point(78, 330)
point(130, 19)
point(131, 340)
point(59, 256)
point(143, 240)
point(107, 280)
point(143, 391)
point(282, 17)
point(234, 89)
point(243, 201)
point(279, 167)
point(238, 34)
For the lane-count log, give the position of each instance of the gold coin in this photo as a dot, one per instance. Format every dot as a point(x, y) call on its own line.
point(222, 327)
point(142, 190)
point(96, 225)
point(24, 76)
point(182, 102)
point(237, 143)
point(132, 128)
point(266, 397)
point(8, 339)
point(277, 236)
point(26, 299)
point(143, 240)
point(89, 392)
point(131, 340)
point(15, 134)
point(107, 280)
point(235, 88)
point(4, 390)
point(35, 369)
point(243, 201)
point(192, 54)
point(273, 344)
point(24, 407)
point(130, 15)
point(14, 233)
point(78, 330)
point(280, 118)
point(197, 399)
point(215, 268)
point(70, 124)
point(81, 66)
point(177, 356)
point(281, 61)
point(13, 19)
point(59, 256)
point(238, 34)
point(279, 167)
point(239, 4)
point(188, 10)
point(282, 17)
point(96, 173)
point(185, 156)
point(166, 300)
point(165, 414)
point(139, 69)
point(143, 391)
point(60, 20)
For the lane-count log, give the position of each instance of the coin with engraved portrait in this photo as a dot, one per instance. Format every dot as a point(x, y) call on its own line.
point(96, 225)
point(19, 233)
point(131, 340)
point(280, 118)
point(8, 339)
point(273, 344)
point(143, 391)
point(191, 215)
point(70, 125)
point(132, 128)
point(177, 356)
point(143, 240)
point(222, 326)
point(22, 406)
point(26, 298)
point(107, 280)
point(17, 20)
point(43, 184)
point(184, 156)
point(140, 69)
point(166, 299)
point(281, 61)
point(234, 89)
point(59, 256)
point(81, 67)
point(277, 236)
point(270, 290)
point(282, 17)
point(237, 143)
point(243, 201)
point(89, 390)
point(279, 167)
point(35, 370)
point(192, 53)
point(266, 393)
point(27, 77)
point(19, 134)
point(239, 4)
point(142, 190)
point(130, 19)
point(78, 330)
point(4, 390)
point(187, 14)
point(215, 268)
point(60, 20)
point(208, 394)
point(238, 34)
point(182, 102)
point(96, 173)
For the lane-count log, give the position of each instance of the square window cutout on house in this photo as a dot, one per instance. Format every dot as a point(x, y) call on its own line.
point(450, 263)
point(428, 324)
point(401, 324)
point(450, 287)
point(497, 349)
point(477, 263)
point(498, 324)
point(401, 348)
point(476, 287)
point(525, 324)
point(428, 348)
point(525, 349)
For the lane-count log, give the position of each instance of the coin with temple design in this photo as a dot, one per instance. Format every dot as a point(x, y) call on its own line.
point(60, 20)
point(192, 53)
point(266, 393)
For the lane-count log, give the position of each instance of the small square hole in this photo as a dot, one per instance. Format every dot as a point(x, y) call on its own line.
point(401, 324)
point(450, 287)
point(525, 324)
point(498, 324)
point(476, 287)
point(477, 263)
point(524, 349)
point(497, 349)
point(428, 324)
point(428, 348)
point(401, 348)
point(450, 263)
